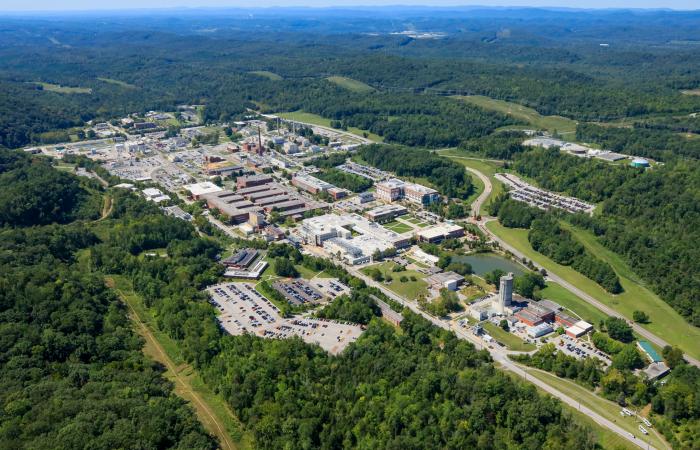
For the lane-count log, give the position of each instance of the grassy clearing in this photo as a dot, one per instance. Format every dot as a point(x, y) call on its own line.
point(665, 322)
point(305, 273)
point(550, 123)
point(605, 408)
point(267, 74)
point(123, 84)
point(63, 89)
point(315, 119)
point(351, 85)
point(573, 303)
point(398, 227)
point(510, 340)
point(690, 92)
point(409, 289)
point(212, 410)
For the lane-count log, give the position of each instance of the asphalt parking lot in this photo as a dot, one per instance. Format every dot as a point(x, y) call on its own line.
point(244, 310)
point(579, 348)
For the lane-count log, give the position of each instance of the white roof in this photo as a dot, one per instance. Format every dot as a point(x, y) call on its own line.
point(152, 192)
point(206, 187)
point(583, 325)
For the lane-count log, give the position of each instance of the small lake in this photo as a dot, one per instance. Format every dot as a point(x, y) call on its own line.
point(486, 262)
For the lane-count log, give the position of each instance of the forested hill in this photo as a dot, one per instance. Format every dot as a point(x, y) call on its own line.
point(71, 368)
point(137, 64)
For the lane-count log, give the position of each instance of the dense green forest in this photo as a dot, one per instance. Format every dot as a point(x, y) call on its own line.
point(73, 374)
point(349, 181)
point(652, 217)
point(448, 177)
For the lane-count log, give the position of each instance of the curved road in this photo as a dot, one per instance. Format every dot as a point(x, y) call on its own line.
point(481, 199)
point(557, 279)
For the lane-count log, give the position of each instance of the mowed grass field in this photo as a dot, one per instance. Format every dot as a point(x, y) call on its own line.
point(63, 89)
point(267, 74)
point(409, 289)
point(510, 340)
point(315, 119)
point(665, 322)
point(351, 85)
point(561, 125)
point(605, 408)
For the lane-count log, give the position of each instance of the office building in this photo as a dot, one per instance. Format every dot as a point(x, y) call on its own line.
point(390, 190)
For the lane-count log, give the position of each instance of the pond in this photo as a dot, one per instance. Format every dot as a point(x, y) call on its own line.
point(483, 263)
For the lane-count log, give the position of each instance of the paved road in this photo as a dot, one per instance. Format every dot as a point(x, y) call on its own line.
point(361, 138)
point(488, 187)
point(501, 356)
point(568, 286)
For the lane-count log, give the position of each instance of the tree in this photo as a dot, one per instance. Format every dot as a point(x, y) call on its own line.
point(673, 356)
point(504, 324)
point(628, 359)
point(285, 268)
point(640, 317)
point(618, 329)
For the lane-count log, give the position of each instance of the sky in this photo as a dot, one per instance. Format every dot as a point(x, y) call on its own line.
point(64, 5)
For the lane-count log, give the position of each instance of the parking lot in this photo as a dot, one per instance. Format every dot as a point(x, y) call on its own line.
point(298, 292)
point(330, 287)
point(244, 310)
point(579, 348)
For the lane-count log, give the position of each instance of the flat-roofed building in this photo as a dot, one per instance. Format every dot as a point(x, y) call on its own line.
point(252, 180)
point(337, 193)
point(196, 190)
point(241, 259)
point(538, 330)
point(231, 205)
point(385, 212)
point(445, 280)
point(311, 184)
point(438, 233)
point(528, 318)
point(420, 195)
point(390, 190)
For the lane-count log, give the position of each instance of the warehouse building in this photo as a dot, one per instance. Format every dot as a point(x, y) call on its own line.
point(252, 180)
point(445, 280)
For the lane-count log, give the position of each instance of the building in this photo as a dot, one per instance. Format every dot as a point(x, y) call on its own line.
point(290, 148)
point(564, 319)
point(438, 233)
point(656, 370)
point(252, 180)
point(541, 311)
point(232, 205)
point(241, 259)
point(155, 195)
point(196, 190)
point(385, 213)
point(445, 280)
point(538, 330)
point(610, 156)
point(579, 329)
point(352, 237)
point(364, 197)
point(311, 184)
point(420, 195)
point(390, 190)
point(478, 313)
point(528, 317)
point(337, 193)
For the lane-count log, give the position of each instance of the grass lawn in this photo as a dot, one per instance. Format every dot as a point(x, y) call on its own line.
point(63, 89)
point(212, 411)
point(550, 123)
point(305, 273)
point(665, 322)
point(605, 408)
point(510, 340)
point(117, 82)
point(351, 85)
point(572, 302)
point(315, 119)
point(410, 289)
point(267, 74)
point(397, 227)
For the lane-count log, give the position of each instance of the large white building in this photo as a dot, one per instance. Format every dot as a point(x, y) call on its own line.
point(335, 232)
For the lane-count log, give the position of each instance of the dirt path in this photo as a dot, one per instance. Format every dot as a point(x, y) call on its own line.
point(183, 388)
